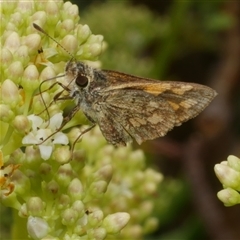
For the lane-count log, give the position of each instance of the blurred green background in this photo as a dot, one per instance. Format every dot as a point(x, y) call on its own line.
point(191, 41)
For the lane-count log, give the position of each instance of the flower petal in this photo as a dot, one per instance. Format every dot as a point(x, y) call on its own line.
point(60, 138)
point(56, 121)
point(42, 134)
point(36, 121)
point(30, 139)
point(45, 151)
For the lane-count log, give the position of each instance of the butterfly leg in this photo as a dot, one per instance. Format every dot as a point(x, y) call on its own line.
point(80, 135)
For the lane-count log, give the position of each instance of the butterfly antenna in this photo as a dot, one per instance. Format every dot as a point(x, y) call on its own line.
point(42, 31)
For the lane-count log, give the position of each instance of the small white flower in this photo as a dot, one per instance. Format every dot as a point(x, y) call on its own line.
point(42, 130)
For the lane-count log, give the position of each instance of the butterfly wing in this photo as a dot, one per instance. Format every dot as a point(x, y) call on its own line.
point(145, 109)
point(134, 114)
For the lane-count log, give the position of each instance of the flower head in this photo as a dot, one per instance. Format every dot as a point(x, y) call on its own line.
point(228, 173)
point(45, 134)
point(96, 193)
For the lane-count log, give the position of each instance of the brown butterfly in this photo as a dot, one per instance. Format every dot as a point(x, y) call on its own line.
point(127, 107)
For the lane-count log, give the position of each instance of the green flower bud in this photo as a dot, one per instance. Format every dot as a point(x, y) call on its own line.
point(6, 57)
point(234, 162)
point(9, 92)
point(97, 189)
point(229, 197)
point(228, 176)
point(69, 217)
point(114, 223)
point(30, 78)
point(66, 26)
point(12, 42)
point(95, 218)
point(32, 41)
point(75, 189)
point(38, 17)
point(22, 55)
point(21, 124)
point(6, 114)
point(15, 71)
point(70, 11)
point(63, 201)
point(52, 11)
point(47, 73)
point(45, 168)
point(70, 43)
point(64, 174)
point(83, 32)
point(53, 188)
point(35, 206)
point(23, 212)
point(104, 173)
point(62, 154)
point(78, 206)
point(97, 233)
point(32, 154)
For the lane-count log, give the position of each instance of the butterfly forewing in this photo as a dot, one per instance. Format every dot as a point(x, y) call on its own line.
point(146, 109)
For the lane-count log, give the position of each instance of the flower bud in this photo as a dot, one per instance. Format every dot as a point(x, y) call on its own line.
point(52, 187)
point(47, 72)
point(5, 56)
point(22, 55)
point(83, 32)
point(63, 201)
point(70, 10)
point(95, 218)
point(10, 93)
point(6, 114)
point(35, 206)
point(62, 154)
point(114, 223)
point(15, 71)
point(69, 217)
point(45, 169)
point(22, 124)
point(66, 26)
point(23, 212)
point(39, 16)
point(37, 227)
point(234, 162)
point(78, 206)
point(229, 197)
point(97, 233)
point(12, 42)
point(30, 78)
point(32, 41)
point(228, 176)
point(64, 174)
point(75, 189)
point(104, 173)
point(96, 189)
point(70, 43)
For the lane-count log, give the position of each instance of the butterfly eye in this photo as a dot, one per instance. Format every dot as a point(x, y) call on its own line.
point(81, 81)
